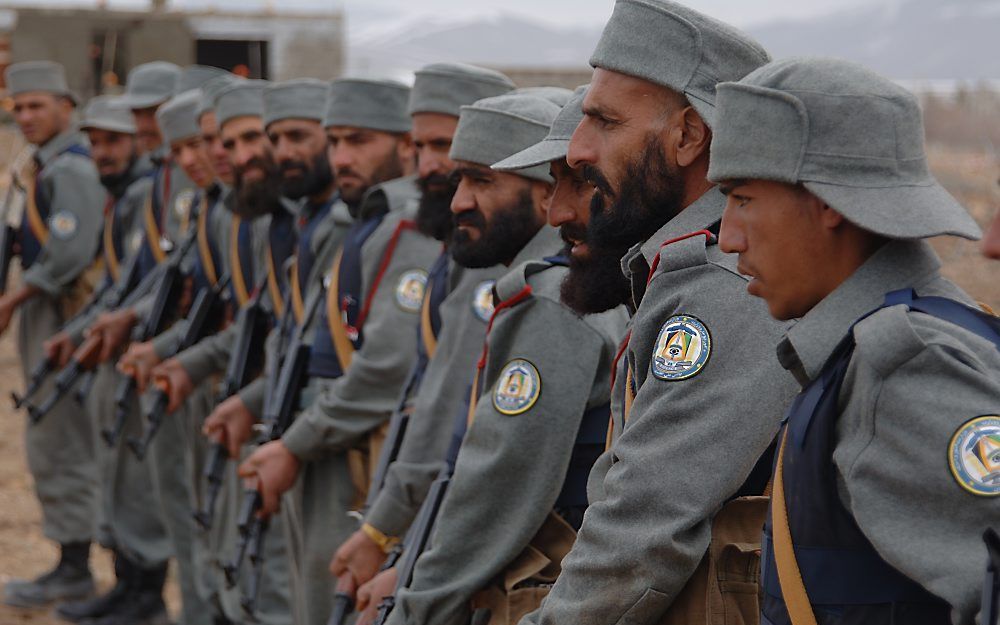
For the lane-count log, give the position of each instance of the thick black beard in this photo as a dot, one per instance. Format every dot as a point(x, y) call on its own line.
point(117, 183)
point(257, 198)
point(501, 238)
point(388, 169)
point(651, 194)
point(316, 178)
point(434, 211)
point(595, 284)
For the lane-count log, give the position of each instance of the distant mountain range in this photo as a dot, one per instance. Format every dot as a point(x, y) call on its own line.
point(904, 39)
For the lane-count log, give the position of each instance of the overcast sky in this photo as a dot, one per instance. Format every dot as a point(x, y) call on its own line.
point(363, 13)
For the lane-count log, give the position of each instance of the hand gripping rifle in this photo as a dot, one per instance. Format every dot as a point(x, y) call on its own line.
point(205, 318)
point(168, 294)
point(246, 360)
point(281, 407)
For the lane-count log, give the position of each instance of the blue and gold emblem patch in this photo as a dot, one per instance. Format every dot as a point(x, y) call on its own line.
point(482, 300)
point(410, 290)
point(518, 388)
point(682, 348)
point(974, 456)
point(63, 225)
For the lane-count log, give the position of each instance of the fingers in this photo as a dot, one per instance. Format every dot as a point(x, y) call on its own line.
point(364, 596)
point(338, 565)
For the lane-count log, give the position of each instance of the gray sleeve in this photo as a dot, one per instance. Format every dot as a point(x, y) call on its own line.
point(253, 396)
point(366, 394)
point(510, 469)
point(75, 195)
point(210, 355)
point(165, 344)
point(676, 463)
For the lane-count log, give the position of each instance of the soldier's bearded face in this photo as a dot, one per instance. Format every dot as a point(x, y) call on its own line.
point(362, 158)
point(301, 154)
point(255, 174)
point(434, 212)
point(495, 215)
point(220, 158)
point(147, 130)
point(112, 153)
point(432, 136)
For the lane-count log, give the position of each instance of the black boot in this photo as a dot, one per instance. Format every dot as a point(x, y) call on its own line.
point(97, 607)
point(70, 579)
point(143, 603)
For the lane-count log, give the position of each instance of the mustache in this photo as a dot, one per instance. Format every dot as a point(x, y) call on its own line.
point(106, 162)
point(573, 233)
point(594, 176)
point(288, 166)
point(437, 180)
point(347, 171)
point(472, 218)
point(255, 163)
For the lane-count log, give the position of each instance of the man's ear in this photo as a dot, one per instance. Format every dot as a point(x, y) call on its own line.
point(693, 136)
point(541, 195)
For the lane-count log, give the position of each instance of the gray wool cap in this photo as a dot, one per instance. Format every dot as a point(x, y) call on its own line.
point(37, 76)
point(364, 103)
point(446, 87)
point(851, 137)
point(670, 45)
point(104, 112)
point(556, 95)
point(495, 128)
point(195, 77)
point(303, 98)
point(150, 84)
point(244, 98)
point(211, 90)
point(555, 146)
point(178, 117)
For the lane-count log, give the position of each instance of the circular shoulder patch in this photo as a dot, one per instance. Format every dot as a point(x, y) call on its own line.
point(482, 300)
point(410, 290)
point(517, 388)
point(63, 225)
point(183, 203)
point(974, 456)
point(682, 348)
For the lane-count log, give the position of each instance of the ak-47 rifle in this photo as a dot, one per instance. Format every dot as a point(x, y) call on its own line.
point(245, 363)
point(81, 361)
point(168, 291)
point(279, 411)
point(343, 601)
point(205, 318)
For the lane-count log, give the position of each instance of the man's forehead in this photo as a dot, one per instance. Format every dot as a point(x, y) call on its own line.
point(239, 126)
point(610, 90)
point(33, 96)
point(294, 124)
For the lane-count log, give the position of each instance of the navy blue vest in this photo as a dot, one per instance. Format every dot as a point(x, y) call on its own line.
point(305, 256)
point(244, 252)
point(437, 291)
point(147, 260)
point(31, 247)
point(282, 239)
point(200, 276)
point(323, 360)
point(847, 581)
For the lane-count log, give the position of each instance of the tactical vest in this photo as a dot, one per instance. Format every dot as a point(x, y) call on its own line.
point(34, 230)
point(281, 239)
point(847, 581)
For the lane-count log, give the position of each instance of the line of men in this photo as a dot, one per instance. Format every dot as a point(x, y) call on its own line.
point(534, 356)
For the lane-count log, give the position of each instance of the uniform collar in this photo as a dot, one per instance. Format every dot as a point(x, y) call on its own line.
point(897, 265)
point(56, 146)
point(308, 208)
point(545, 243)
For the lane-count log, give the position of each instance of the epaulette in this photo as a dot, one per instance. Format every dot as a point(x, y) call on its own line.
point(397, 195)
point(689, 250)
point(886, 339)
point(516, 280)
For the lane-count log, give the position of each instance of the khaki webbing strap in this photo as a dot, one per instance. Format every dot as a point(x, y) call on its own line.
point(239, 280)
point(153, 232)
point(793, 589)
point(110, 257)
point(298, 304)
point(335, 319)
point(473, 397)
point(629, 399)
point(426, 327)
point(204, 249)
point(35, 221)
point(272, 285)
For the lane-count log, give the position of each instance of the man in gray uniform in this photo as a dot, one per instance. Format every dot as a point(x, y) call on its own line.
point(58, 238)
point(889, 465)
point(458, 303)
point(519, 480)
point(364, 338)
point(699, 346)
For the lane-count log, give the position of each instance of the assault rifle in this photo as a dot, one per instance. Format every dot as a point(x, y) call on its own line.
point(990, 613)
point(205, 318)
point(246, 360)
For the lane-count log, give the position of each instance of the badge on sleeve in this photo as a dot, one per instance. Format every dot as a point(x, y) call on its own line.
point(63, 225)
point(482, 300)
point(682, 348)
point(517, 388)
point(974, 456)
point(410, 290)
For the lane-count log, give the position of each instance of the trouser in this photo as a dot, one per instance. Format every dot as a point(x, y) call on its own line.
point(60, 448)
point(130, 517)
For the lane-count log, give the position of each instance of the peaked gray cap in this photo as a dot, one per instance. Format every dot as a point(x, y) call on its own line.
point(104, 112)
point(495, 128)
point(195, 77)
point(150, 84)
point(850, 136)
point(211, 89)
point(45, 76)
point(668, 44)
point(555, 146)
point(556, 95)
point(365, 103)
point(244, 98)
point(302, 98)
point(178, 117)
point(446, 87)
